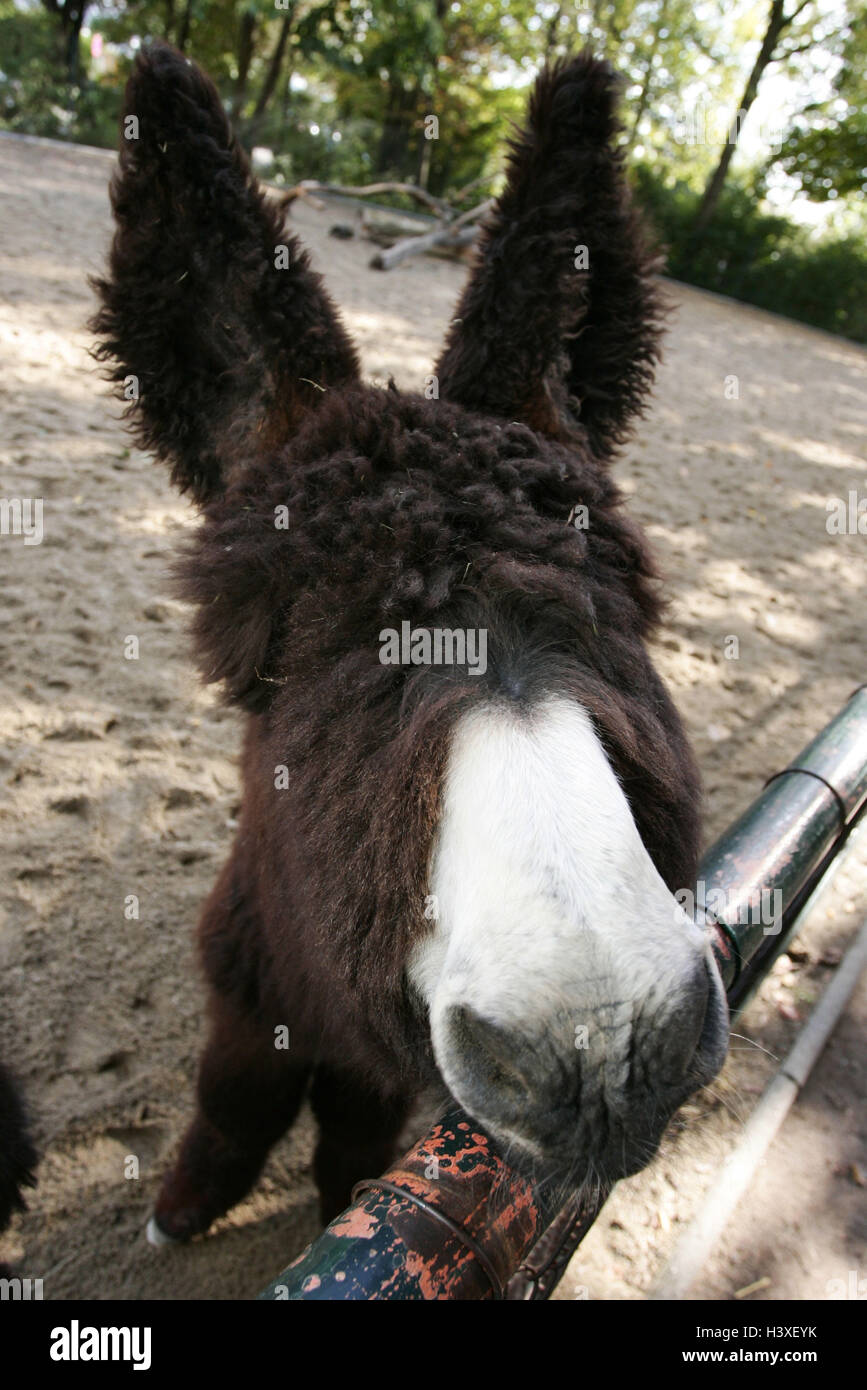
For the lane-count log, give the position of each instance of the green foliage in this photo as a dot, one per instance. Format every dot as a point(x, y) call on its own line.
point(829, 160)
point(28, 85)
point(35, 95)
point(826, 148)
point(760, 258)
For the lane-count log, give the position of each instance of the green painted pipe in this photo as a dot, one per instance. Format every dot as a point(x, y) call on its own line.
point(452, 1220)
point(754, 880)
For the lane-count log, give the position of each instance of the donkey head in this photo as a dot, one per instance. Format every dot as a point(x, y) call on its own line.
point(483, 844)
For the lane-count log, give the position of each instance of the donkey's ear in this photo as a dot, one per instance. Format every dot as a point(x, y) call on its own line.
point(220, 332)
point(559, 325)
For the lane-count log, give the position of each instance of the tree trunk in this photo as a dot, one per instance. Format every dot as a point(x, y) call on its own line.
point(551, 32)
point(777, 24)
point(70, 16)
point(272, 76)
point(426, 101)
point(647, 84)
point(186, 21)
point(246, 49)
point(424, 160)
point(73, 19)
point(393, 154)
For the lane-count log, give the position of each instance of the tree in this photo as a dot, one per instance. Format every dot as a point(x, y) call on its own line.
point(272, 75)
point(246, 49)
point(660, 47)
point(773, 49)
point(826, 147)
point(70, 17)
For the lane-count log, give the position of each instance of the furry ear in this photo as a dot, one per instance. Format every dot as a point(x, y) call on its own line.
point(559, 325)
point(217, 327)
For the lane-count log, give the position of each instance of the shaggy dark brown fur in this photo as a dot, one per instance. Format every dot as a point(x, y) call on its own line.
point(17, 1154)
point(571, 351)
point(213, 328)
point(446, 513)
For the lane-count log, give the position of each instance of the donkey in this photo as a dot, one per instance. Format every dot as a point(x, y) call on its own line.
point(441, 875)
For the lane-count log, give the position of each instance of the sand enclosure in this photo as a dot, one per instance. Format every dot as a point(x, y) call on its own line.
point(119, 777)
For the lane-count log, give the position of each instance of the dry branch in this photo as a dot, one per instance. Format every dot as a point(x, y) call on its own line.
point(370, 190)
point(452, 236)
point(452, 232)
point(448, 238)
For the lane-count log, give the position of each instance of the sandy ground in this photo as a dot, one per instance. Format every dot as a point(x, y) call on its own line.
point(119, 777)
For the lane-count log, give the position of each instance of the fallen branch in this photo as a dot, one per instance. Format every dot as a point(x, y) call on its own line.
point(453, 236)
point(446, 237)
point(285, 197)
point(369, 190)
point(387, 227)
point(453, 231)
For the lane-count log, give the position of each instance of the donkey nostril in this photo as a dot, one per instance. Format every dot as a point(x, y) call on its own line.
point(699, 1030)
point(484, 1060)
point(673, 1036)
